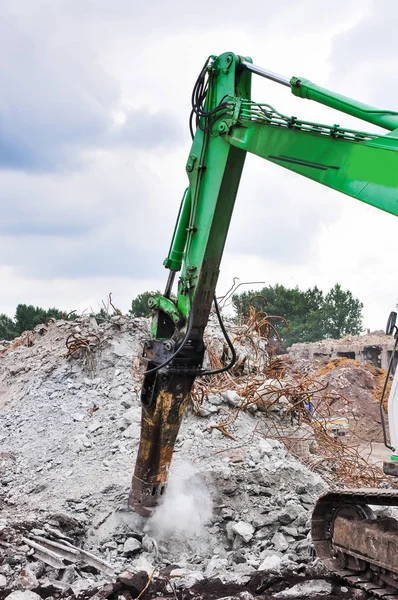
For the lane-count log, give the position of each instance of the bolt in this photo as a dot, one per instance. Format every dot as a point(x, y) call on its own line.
point(191, 162)
point(223, 127)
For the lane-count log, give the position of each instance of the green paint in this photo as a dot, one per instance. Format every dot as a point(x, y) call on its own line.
point(168, 307)
point(176, 253)
point(303, 88)
point(214, 168)
point(366, 170)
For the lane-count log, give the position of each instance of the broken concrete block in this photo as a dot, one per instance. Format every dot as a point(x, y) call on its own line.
point(23, 596)
point(307, 589)
point(271, 563)
point(265, 448)
point(292, 531)
point(69, 575)
point(131, 547)
point(94, 426)
point(78, 417)
point(244, 530)
point(126, 401)
point(290, 513)
point(143, 564)
point(232, 398)
point(214, 399)
point(132, 415)
point(230, 530)
point(27, 579)
point(215, 566)
point(280, 543)
point(267, 519)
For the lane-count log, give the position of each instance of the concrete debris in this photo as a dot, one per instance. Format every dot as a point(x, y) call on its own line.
point(135, 581)
point(271, 563)
point(27, 580)
point(231, 398)
point(23, 596)
point(280, 543)
point(131, 547)
point(244, 530)
point(237, 505)
point(307, 589)
point(59, 555)
point(374, 348)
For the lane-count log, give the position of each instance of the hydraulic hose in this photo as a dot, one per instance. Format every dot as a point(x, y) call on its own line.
point(227, 339)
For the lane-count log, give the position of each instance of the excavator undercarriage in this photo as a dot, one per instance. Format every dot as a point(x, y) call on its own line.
point(354, 543)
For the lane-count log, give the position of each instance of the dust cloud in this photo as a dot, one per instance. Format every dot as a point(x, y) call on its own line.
point(186, 509)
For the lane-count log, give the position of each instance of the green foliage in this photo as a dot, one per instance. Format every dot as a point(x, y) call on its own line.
point(342, 313)
point(139, 306)
point(26, 318)
point(7, 328)
point(311, 315)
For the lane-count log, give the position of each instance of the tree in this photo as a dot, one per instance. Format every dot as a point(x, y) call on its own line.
point(341, 313)
point(7, 328)
point(28, 316)
point(299, 308)
point(311, 315)
point(139, 306)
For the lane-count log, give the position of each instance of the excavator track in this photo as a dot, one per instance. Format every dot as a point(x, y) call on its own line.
point(355, 544)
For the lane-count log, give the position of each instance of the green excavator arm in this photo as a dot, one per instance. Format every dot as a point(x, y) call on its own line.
point(228, 125)
point(358, 164)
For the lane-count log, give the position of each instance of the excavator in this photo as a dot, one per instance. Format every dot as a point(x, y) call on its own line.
point(225, 124)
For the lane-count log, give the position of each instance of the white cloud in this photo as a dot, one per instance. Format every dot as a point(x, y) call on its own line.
point(99, 94)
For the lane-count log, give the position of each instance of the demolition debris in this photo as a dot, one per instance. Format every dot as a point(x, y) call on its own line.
point(375, 348)
point(243, 480)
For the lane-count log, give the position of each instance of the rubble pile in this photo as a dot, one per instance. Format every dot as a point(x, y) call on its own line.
point(375, 348)
point(237, 507)
point(325, 412)
point(354, 391)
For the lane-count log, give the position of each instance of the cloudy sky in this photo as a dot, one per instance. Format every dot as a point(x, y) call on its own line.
point(94, 105)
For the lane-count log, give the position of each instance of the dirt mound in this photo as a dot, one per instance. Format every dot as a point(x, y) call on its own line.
point(355, 387)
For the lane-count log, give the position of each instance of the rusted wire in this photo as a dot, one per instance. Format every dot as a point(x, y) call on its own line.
point(270, 384)
point(85, 346)
point(223, 299)
point(116, 310)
